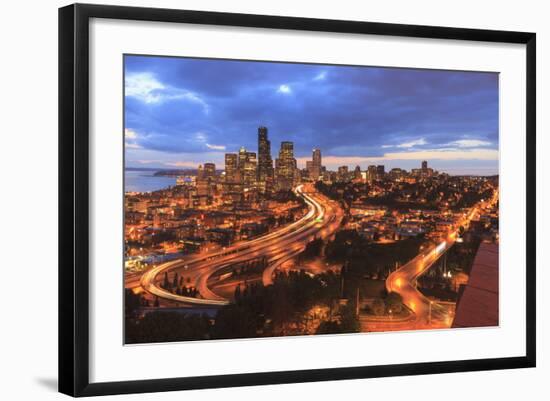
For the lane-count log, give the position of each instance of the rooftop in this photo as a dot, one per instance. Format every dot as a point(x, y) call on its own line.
point(478, 301)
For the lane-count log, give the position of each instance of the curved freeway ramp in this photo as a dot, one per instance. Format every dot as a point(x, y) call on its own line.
point(321, 219)
point(403, 280)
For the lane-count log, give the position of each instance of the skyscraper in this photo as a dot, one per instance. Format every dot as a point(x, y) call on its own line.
point(309, 168)
point(425, 171)
point(265, 163)
point(232, 186)
point(343, 174)
point(231, 168)
point(247, 164)
point(357, 173)
point(371, 172)
point(205, 177)
point(380, 171)
point(209, 170)
point(200, 172)
point(285, 165)
point(315, 172)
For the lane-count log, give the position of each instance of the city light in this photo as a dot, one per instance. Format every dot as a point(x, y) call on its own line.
point(260, 219)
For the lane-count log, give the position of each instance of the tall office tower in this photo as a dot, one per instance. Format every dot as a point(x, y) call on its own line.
point(265, 163)
point(309, 168)
point(380, 171)
point(209, 170)
point(396, 173)
point(250, 180)
point(357, 173)
point(200, 172)
point(203, 187)
point(297, 176)
point(232, 187)
point(231, 168)
point(202, 183)
point(425, 171)
point(371, 172)
point(343, 174)
point(316, 166)
point(248, 165)
point(241, 159)
point(285, 165)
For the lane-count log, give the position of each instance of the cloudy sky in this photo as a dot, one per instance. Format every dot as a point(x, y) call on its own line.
point(181, 112)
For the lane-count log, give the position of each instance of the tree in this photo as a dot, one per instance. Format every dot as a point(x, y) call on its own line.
point(237, 295)
point(161, 326)
point(234, 321)
point(378, 307)
point(175, 281)
point(394, 302)
point(132, 302)
point(312, 250)
point(328, 327)
point(349, 323)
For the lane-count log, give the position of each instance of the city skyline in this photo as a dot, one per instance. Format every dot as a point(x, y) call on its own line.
point(297, 199)
point(267, 168)
point(267, 249)
point(300, 103)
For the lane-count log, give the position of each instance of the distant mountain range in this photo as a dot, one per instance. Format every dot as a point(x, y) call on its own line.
point(142, 169)
point(164, 172)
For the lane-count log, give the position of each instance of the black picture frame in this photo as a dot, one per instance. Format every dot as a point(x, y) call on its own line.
point(74, 198)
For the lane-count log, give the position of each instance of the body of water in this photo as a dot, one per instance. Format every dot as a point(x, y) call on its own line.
point(145, 181)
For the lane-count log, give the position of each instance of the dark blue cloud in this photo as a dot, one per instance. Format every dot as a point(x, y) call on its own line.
point(182, 105)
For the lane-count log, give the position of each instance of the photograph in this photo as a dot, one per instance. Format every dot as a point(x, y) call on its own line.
point(274, 199)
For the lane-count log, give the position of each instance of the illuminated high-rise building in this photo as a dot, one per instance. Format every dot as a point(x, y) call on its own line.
point(243, 155)
point(203, 187)
point(265, 163)
point(397, 173)
point(285, 166)
point(209, 170)
point(232, 186)
point(200, 172)
point(371, 172)
point(203, 181)
point(316, 165)
point(343, 174)
point(380, 171)
point(248, 164)
point(425, 171)
point(231, 168)
point(357, 173)
point(309, 168)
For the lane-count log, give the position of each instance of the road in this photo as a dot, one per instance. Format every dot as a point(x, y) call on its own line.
point(321, 220)
point(403, 281)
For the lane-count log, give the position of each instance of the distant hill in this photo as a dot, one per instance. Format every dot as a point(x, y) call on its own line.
point(173, 173)
point(141, 169)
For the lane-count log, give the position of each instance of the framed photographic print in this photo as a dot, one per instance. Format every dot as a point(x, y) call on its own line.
point(249, 199)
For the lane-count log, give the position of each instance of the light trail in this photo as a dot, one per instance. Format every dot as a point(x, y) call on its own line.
point(289, 240)
point(403, 280)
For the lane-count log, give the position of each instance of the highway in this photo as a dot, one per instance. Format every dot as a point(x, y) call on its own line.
point(322, 220)
point(403, 280)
